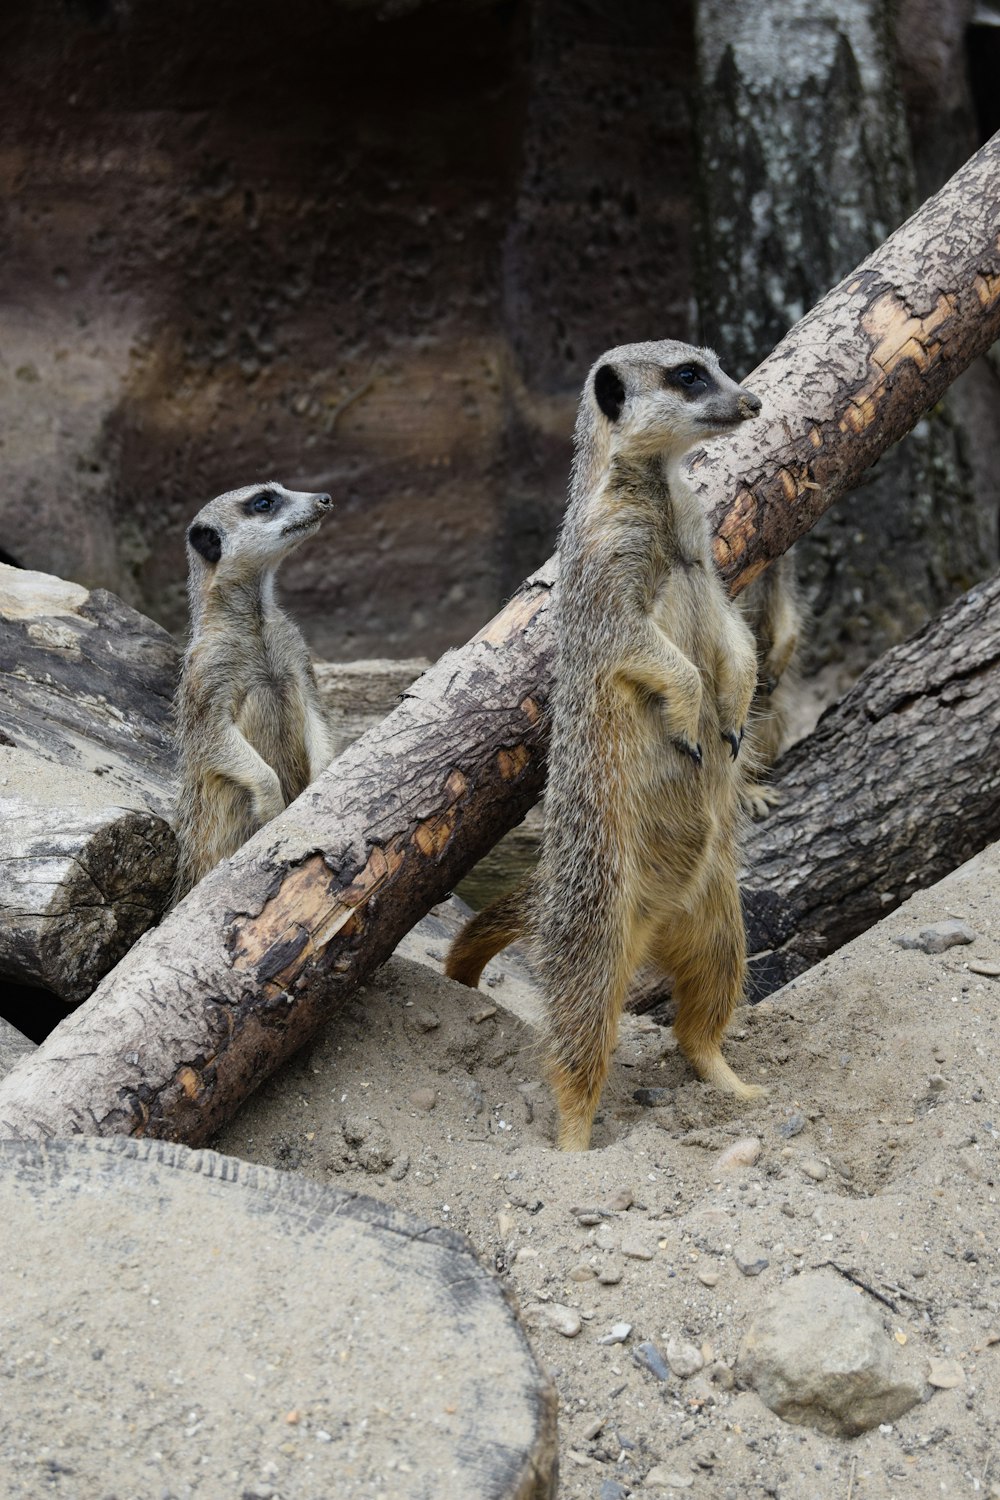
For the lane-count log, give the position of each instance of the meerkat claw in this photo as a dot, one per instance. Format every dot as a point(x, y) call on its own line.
point(733, 740)
point(686, 748)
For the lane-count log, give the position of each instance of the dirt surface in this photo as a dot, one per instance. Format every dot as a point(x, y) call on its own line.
point(877, 1153)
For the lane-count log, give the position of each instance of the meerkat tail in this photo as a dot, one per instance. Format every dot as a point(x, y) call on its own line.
point(487, 934)
point(583, 1031)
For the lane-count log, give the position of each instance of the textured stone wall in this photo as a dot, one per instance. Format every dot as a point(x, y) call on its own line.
point(368, 249)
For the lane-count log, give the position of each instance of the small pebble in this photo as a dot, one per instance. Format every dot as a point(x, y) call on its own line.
point(610, 1273)
point(936, 1082)
point(582, 1272)
point(617, 1334)
point(750, 1260)
point(425, 1018)
point(813, 1169)
point(794, 1125)
point(480, 1016)
point(554, 1315)
point(612, 1490)
point(683, 1358)
point(742, 1153)
point(708, 1278)
point(619, 1201)
point(648, 1357)
point(984, 966)
point(424, 1099)
point(587, 1215)
point(662, 1478)
point(592, 1428)
point(637, 1249)
point(945, 1374)
point(506, 1224)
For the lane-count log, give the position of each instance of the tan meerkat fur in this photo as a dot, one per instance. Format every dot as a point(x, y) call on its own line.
point(773, 609)
point(655, 673)
point(250, 730)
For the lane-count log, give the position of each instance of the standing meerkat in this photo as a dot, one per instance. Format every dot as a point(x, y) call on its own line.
point(250, 730)
point(654, 677)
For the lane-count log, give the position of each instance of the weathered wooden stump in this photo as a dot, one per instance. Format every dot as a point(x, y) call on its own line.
point(182, 1318)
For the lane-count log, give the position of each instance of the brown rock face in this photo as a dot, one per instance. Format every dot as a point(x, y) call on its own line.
point(368, 249)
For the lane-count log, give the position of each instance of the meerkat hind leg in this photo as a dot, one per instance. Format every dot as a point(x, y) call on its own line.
point(706, 955)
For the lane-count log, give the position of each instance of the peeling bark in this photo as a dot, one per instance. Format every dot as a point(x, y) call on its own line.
point(252, 962)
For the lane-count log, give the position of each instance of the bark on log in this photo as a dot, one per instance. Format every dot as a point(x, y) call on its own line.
point(81, 878)
point(86, 683)
point(86, 852)
point(249, 965)
point(899, 784)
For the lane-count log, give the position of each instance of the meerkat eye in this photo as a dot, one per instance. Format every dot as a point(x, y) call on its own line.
point(691, 378)
point(263, 502)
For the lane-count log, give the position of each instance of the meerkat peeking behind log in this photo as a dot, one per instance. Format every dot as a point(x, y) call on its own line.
point(250, 731)
point(772, 607)
point(655, 672)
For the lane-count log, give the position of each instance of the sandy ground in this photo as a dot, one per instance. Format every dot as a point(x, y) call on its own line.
point(878, 1152)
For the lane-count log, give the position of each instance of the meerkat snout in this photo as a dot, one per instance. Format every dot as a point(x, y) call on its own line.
point(748, 405)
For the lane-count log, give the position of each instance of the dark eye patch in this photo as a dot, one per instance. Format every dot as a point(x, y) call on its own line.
point(264, 503)
point(691, 379)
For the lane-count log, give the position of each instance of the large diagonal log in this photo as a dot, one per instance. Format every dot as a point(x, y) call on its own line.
point(252, 962)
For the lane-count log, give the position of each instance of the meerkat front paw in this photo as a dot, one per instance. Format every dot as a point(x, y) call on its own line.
point(268, 801)
point(687, 747)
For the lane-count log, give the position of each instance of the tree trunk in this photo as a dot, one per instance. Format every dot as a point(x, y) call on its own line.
point(250, 964)
point(899, 784)
point(805, 167)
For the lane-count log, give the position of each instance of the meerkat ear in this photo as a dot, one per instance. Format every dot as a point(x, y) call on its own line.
point(609, 391)
point(207, 541)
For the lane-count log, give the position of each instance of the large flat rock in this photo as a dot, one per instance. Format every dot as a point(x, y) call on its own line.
point(180, 1323)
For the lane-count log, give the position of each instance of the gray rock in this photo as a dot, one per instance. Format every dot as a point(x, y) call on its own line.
point(938, 936)
point(618, 1333)
point(750, 1259)
point(649, 1358)
point(819, 1356)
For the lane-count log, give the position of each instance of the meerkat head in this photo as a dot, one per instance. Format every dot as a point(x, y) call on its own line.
point(249, 531)
point(661, 398)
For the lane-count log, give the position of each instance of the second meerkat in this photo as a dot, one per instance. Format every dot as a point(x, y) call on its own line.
point(655, 672)
point(251, 734)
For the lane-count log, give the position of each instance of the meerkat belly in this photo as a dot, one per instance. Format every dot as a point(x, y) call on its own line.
point(271, 719)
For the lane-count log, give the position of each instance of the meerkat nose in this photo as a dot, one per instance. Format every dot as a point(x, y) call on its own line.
point(749, 404)
point(326, 502)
